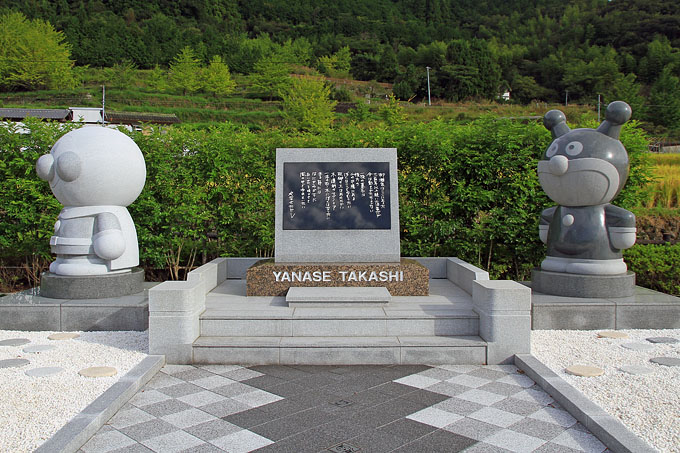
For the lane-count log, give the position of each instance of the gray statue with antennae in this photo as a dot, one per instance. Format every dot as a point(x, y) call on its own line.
point(583, 170)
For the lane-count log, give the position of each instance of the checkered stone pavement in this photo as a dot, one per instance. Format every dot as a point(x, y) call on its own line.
point(342, 409)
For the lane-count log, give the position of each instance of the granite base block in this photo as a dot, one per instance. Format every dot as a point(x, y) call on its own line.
point(577, 285)
point(92, 286)
point(261, 279)
point(27, 310)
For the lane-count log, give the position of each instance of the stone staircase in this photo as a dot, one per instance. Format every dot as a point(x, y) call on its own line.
point(466, 319)
point(440, 328)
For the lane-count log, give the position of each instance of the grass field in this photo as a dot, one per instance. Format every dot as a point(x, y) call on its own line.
point(665, 190)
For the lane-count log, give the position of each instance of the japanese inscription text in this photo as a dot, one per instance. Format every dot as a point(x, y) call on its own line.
point(336, 195)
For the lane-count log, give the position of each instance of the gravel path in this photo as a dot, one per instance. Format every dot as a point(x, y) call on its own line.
point(32, 409)
point(649, 404)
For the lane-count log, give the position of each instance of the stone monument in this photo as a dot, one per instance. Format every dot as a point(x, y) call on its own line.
point(95, 173)
point(337, 224)
point(583, 170)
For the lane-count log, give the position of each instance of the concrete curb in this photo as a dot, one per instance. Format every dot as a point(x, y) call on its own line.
point(608, 429)
point(76, 432)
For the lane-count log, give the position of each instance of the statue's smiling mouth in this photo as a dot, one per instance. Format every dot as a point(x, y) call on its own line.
point(583, 182)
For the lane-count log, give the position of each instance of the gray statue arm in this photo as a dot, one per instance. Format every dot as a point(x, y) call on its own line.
point(109, 242)
point(544, 224)
point(620, 226)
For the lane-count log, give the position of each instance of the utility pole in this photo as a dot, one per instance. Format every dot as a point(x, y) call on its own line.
point(598, 108)
point(103, 104)
point(429, 101)
point(566, 98)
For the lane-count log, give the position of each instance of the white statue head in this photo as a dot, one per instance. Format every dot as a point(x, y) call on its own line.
point(94, 166)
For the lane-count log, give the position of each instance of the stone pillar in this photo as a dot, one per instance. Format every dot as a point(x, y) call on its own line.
point(504, 309)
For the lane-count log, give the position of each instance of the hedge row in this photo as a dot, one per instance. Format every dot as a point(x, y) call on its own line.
point(465, 190)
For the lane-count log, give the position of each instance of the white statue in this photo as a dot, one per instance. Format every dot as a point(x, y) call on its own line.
point(95, 173)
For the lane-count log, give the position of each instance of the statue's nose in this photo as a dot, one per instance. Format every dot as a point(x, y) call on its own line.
point(558, 165)
point(45, 167)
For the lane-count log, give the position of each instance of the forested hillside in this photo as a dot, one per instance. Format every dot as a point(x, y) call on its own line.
point(538, 49)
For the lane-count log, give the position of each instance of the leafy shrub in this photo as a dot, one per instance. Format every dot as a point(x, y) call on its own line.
point(656, 266)
point(466, 190)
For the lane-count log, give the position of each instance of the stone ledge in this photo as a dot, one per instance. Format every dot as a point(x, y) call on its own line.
point(412, 277)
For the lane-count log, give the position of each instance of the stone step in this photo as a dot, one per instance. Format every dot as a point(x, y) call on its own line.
point(337, 297)
point(340, 322)
point(393, 350)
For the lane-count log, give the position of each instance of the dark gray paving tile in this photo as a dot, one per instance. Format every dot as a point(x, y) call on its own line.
point(284, 372)
point(147, 430)
point(212, 429)
point(248, 418)
point(288, 389)
point(287, 426)
point(284, 407)
point(179, 390)
point(394, 388)
point(315, 398)
point(399, 407)
point(264, 382)
point(407, 429)
point(438, 442)
point(425, 397)
point(537, 428)
point(313, 381)
point(370, 397)
point(377, 442)
point(166, 407)
point(518, 407)
point(405, 370)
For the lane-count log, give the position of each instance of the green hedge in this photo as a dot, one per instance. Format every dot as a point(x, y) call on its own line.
point(656, 266)
point(465, 190)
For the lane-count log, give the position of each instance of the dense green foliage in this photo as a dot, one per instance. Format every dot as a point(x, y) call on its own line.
point(465, 190)
point(540, 49)
point(33, 55)
point(656, 266)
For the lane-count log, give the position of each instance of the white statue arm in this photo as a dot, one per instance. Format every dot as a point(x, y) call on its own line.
point(108, 240)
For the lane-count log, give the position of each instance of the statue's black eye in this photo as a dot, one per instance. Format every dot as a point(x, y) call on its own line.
point(574, 148)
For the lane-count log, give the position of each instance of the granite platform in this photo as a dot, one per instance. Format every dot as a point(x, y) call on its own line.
point(29, 310)
point(645, 309)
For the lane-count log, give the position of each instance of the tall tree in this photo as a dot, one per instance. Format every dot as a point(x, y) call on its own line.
point(217, 78)
point(185, 71)
point(33, 55)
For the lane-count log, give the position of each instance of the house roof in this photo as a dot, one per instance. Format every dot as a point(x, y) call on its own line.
point(138, 117)
point(20, 114)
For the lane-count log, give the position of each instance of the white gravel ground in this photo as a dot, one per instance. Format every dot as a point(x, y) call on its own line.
point(649, 405)
point(32, 409)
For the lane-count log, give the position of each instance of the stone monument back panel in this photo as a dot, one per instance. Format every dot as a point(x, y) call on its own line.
point(328, 216)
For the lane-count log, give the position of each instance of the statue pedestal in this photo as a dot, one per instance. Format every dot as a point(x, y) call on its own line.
point(92, 286)
point(579, 285)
